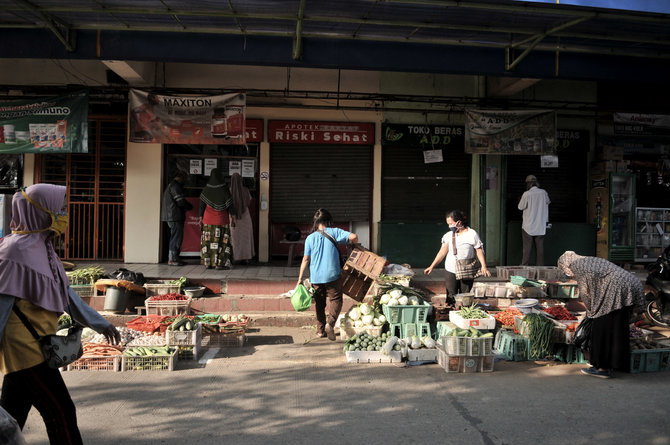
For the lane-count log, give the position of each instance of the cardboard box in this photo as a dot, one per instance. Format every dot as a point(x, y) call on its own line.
point(477, 323)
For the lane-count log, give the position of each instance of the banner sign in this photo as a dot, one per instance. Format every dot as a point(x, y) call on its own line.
point(429, 137)
point(45, 125)
point(187, 119)
point(331, 133)
point(641, 124)
point(254, 130)
point(527, 132)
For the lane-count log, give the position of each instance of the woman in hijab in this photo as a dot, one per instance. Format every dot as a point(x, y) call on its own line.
point(33, 282)
point(242, 229)
point(609, 294)
point(215, 218)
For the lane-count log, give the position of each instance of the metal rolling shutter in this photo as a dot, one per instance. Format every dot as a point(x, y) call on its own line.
point(307, 177)
point(413, 191)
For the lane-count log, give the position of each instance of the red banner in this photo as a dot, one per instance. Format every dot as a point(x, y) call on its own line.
point(254, 130)
point(329, 133)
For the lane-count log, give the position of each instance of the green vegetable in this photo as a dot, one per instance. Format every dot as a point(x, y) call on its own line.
point(472, 312)
point(85, 275)
point(540, 329)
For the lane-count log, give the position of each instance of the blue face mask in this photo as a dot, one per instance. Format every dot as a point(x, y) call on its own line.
point(453, 228)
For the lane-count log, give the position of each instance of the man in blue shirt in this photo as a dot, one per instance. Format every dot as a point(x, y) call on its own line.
point(323, 258)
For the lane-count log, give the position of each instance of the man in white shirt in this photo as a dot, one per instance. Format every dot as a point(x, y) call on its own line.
point(535, 205)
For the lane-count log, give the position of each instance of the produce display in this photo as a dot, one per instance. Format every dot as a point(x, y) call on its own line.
point(470, 332)
point(364, 315)
point(540, 330)
point(85, 275)
point(169, 297)
point(145, 351)
point(559, 313)
point(472, 312)
point(130, 337)
point(506, 317)
point(182, 323)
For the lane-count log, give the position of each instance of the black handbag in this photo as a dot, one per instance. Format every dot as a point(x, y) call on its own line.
point(58, 350)
point(582, 338)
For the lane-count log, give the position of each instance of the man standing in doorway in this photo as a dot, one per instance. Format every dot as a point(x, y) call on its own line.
point(173, 211)
point(535, 206)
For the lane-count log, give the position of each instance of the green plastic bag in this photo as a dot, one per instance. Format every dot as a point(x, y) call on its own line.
point(301, 299)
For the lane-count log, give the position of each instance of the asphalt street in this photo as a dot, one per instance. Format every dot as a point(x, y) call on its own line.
point(285, 386)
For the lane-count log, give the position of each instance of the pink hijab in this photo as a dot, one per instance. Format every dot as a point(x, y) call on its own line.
point(29, 266)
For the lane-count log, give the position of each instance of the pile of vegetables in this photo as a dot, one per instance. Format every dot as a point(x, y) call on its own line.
point(181, 281)
point(367, 342)
point(364, 315)
point(64, 321)
point(506, 317)
point(145, 351)
point(233, 318)
point(471, 332)
point(540, 330)
point(559, 313)
point(207, 318)
point(472, 312)
point(85, 275)
point(169, 297)
point(395, 294)
point(182, 323)
point(128, 337)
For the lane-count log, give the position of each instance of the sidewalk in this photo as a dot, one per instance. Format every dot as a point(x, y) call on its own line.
point(284, 387)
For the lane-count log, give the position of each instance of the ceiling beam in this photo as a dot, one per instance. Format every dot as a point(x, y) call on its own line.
point(61, 30)
point(507, 86)
point(135, 73)
point(297, 40)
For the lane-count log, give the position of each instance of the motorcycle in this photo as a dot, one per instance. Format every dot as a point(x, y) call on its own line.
point(658, 290)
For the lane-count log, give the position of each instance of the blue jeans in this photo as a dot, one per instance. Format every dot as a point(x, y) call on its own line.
point(176, 237)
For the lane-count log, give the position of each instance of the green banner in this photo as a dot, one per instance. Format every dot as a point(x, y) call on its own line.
point(45, 125)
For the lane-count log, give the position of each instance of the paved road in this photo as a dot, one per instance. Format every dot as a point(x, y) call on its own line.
point(282, 388)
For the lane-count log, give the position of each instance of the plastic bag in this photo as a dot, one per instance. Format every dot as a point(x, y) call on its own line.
point(301, 299)
point(10, 433)
point(128, 275)
point(583, 334)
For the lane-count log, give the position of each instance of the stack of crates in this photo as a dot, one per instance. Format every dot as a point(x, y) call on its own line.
point(465, 354)
point(409, 320)
point(511, 346)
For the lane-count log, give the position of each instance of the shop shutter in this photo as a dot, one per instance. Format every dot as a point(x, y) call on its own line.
point(413, 191)
point(566, 185)
point(304, 178)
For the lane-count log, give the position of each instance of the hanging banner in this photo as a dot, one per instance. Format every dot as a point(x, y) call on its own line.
point(45, 125)
point(527, 132)
point(187, 119)
point(641, 124)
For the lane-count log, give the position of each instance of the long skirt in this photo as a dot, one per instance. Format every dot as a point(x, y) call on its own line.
point(610, 337)
point(215, 248)
point(243, 238)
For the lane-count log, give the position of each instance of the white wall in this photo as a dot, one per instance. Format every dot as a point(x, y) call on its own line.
point(143, 202)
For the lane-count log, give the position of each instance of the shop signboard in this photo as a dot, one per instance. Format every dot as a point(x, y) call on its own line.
point(321, 133)
point(156, 118)
point(520, 132)
point(641, 124)
point(45, 125)
point(429, 137)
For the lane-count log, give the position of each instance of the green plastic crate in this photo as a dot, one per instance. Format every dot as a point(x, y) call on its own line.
point(649, 360)
point(407, 313)
point(512, 346)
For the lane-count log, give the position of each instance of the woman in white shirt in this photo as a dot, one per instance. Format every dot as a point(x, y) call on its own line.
point(460, 242)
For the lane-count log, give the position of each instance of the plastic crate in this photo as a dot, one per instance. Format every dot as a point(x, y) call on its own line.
point(411, 329)
point(477, 323)
point(444, 328)
point(407, 313)
point(454, 345)
point(505, 272)
point(569, 354)
point(84, 290)
point(160, 287)
point(472, 346)
point(372, 357)
point(184, 338)
point(546, 273)
point(96, 363)
point(487, 363)
point(168, 307)
point(188, 352)
point(649, 360)
point(511, 346)
point(459, 363)
point(149, 363)
point(562, 289)
point(422, 355)
point(146, 323)
point(480, 346)
point(224, 339)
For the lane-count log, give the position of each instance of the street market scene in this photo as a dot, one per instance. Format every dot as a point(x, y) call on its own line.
point(350, 222)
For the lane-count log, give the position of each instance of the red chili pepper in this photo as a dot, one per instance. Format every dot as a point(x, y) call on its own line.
point(168, 297)
point(559, 313)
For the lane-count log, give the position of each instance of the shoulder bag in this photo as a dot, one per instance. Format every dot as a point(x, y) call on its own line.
point(467, 268)
point(332, 240)
point(58, 350)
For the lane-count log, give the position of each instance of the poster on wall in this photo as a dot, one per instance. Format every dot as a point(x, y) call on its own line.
point(248, 168)
point(429, 137)
point(45, 125)
point(523, 132)
point(155, 118)
point(641, 124)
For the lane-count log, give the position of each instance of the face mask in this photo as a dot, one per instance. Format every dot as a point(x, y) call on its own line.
point(59, 220)
point(453, 228)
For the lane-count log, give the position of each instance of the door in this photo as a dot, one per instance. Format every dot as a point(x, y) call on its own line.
point(96, 192)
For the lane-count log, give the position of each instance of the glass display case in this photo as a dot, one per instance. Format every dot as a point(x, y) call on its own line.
point(652, 232)
point(622, 217)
